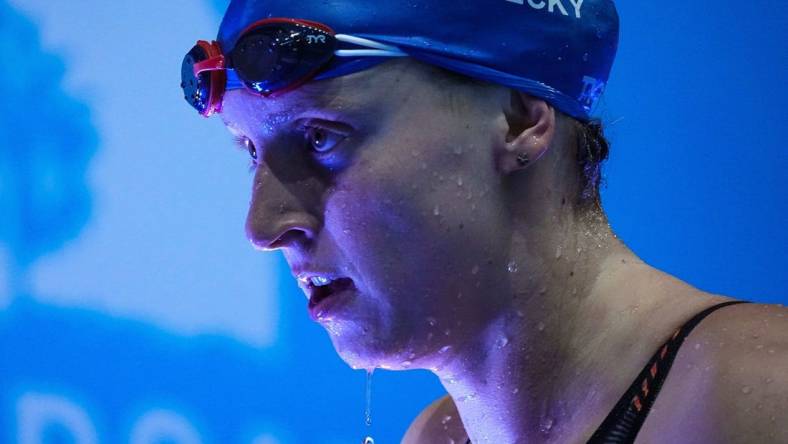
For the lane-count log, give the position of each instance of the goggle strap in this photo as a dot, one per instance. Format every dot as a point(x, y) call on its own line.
point(360, 41)
point(215, 63)
point(368, 53)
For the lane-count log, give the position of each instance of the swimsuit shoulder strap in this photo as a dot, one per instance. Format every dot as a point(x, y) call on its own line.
point(623, 423)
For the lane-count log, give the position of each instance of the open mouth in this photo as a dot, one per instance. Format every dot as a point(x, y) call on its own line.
point(322, 292)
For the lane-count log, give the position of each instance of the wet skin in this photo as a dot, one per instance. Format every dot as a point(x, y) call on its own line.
point(412, 189)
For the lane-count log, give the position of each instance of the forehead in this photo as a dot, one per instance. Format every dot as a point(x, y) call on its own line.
point(242, 107)
point(361, 92)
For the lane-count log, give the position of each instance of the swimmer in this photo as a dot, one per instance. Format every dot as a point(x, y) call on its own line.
point(430, 171)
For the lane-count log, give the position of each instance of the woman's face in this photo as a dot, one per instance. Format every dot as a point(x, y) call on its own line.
point(385, 178)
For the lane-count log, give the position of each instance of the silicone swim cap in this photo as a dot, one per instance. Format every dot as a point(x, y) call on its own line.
point(558, 50)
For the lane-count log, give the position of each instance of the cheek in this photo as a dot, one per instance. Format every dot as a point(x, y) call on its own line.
point(417, 216)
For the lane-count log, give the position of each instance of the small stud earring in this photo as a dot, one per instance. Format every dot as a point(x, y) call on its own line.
point(522, 159)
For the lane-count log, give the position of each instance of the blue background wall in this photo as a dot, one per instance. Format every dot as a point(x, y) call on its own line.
point(132, 308)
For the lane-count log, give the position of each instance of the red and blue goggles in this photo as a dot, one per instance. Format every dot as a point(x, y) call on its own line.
point(271, 56)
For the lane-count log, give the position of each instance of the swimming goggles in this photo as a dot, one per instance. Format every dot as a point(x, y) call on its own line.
point(274, 55)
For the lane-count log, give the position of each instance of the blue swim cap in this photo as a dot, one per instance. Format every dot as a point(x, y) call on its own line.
point(558, 50)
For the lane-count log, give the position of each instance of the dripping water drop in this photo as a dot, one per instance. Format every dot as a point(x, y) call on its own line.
point(368, 399)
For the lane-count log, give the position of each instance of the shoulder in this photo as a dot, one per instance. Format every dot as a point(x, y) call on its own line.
point(748, 393)
point(438, 422)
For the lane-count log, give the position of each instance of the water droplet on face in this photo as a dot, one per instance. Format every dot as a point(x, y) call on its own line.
point(520, 313)
point(447, 332)
point(546, 424)
point(458, 150)
point(444, 349)
point(540, 326)
point(769, 380)
point(502, 342)
point(405, 364)
point(771, 351)
point(459, 181)
point(558, 252)
point(746, 389)
point(697, 346)
point(759, 347)
point(465, 398)
point(515, 390)
point(585, 57)
point(436, 211)
point(431, 321)
point(446, 419)
point(512, 266)
point(475, 269)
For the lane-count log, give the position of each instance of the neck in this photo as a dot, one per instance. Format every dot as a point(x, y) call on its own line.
point(541, 372)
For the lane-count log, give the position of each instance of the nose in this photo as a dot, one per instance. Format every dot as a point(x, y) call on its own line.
point(279, 212)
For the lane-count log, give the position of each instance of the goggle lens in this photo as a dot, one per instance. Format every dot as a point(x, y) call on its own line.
point(278, 56)
point(203, 86)
point(196, 89)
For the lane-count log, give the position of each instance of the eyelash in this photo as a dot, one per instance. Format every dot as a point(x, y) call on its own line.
point(242, 143)
point(311, 126)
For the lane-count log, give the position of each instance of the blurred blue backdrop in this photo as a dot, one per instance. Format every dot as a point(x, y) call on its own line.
point(133, 310)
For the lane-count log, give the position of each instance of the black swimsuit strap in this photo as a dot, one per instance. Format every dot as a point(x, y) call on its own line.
point(623, 423)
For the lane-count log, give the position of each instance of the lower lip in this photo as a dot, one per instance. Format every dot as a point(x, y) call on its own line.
point(328, 308)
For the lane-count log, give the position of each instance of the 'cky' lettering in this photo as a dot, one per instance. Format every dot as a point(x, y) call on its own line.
point(553, 6)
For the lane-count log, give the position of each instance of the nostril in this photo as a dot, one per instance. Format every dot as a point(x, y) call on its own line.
point(288, 238)
point(268, 232)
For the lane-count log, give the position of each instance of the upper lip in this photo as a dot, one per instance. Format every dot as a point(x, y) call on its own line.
point(303, 275)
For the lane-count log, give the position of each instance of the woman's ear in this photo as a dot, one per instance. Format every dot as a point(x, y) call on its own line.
point(530, 128)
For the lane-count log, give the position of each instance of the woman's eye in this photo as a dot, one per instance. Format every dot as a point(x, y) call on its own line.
point(251, 149)
point(322, 140)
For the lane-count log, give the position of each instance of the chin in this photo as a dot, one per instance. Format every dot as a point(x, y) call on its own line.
point(362, 350)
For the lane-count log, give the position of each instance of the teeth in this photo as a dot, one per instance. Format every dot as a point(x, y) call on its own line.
point(319, 281)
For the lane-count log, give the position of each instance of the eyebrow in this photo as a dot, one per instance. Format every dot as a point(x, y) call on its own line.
point(306, 97)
